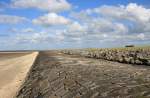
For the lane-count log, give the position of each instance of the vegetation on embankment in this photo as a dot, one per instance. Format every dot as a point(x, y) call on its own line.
point(131, 55)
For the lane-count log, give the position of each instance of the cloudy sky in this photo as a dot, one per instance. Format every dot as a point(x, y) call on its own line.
point(54, 24)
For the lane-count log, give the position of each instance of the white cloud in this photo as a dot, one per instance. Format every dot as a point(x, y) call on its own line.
point(141, 36)
point(120, 28)
point(73, 32)
point(46, 5)
point(8, 19)
point(116, 23)
point(76, 27)
point(28, 30)
point(37, 37)
point(105, 35)
point(59, 36)
point(109, 11)
point(132, 12)
point(138, 12)
point(106, 25)
point(51, 19)
point(102, 25)
point(25, 30)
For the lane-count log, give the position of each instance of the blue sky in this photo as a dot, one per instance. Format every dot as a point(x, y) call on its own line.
point(55, 24)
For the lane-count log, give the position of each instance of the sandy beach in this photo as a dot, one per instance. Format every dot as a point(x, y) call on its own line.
point(14, 67)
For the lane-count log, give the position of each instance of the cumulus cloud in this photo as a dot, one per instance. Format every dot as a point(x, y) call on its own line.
point(9, 19)
point(131, 12)
point(110, 25)
point(141, 36)
point(76, 27)
point(51, 19)
point(137, 15)
point(101, 25)
point(45, 5)
point(105, 24)
point(116, 23)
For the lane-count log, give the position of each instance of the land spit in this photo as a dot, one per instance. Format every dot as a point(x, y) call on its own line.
point(14, 67)
point(58, 75)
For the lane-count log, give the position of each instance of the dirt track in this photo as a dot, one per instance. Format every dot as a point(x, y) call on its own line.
point(55, 75)
point(13, 70)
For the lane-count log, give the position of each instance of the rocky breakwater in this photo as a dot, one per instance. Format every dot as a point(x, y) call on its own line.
point(140, 56)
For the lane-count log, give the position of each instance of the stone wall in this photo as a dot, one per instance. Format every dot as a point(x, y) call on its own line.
point(140, 56)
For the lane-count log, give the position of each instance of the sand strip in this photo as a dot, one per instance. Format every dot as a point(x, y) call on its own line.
point(13, 72)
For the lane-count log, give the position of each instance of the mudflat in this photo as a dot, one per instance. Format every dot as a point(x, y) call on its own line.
point(57, 75)
point(14, 67)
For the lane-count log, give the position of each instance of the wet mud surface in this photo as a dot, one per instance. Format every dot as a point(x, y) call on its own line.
point(57, 75)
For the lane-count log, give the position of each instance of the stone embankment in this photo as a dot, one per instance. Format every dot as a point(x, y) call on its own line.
point(140, 56)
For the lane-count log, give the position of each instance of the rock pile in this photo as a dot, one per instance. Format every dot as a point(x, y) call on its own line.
point(140, 56)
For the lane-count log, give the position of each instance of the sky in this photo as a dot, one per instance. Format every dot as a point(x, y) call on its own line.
point(58, 24)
